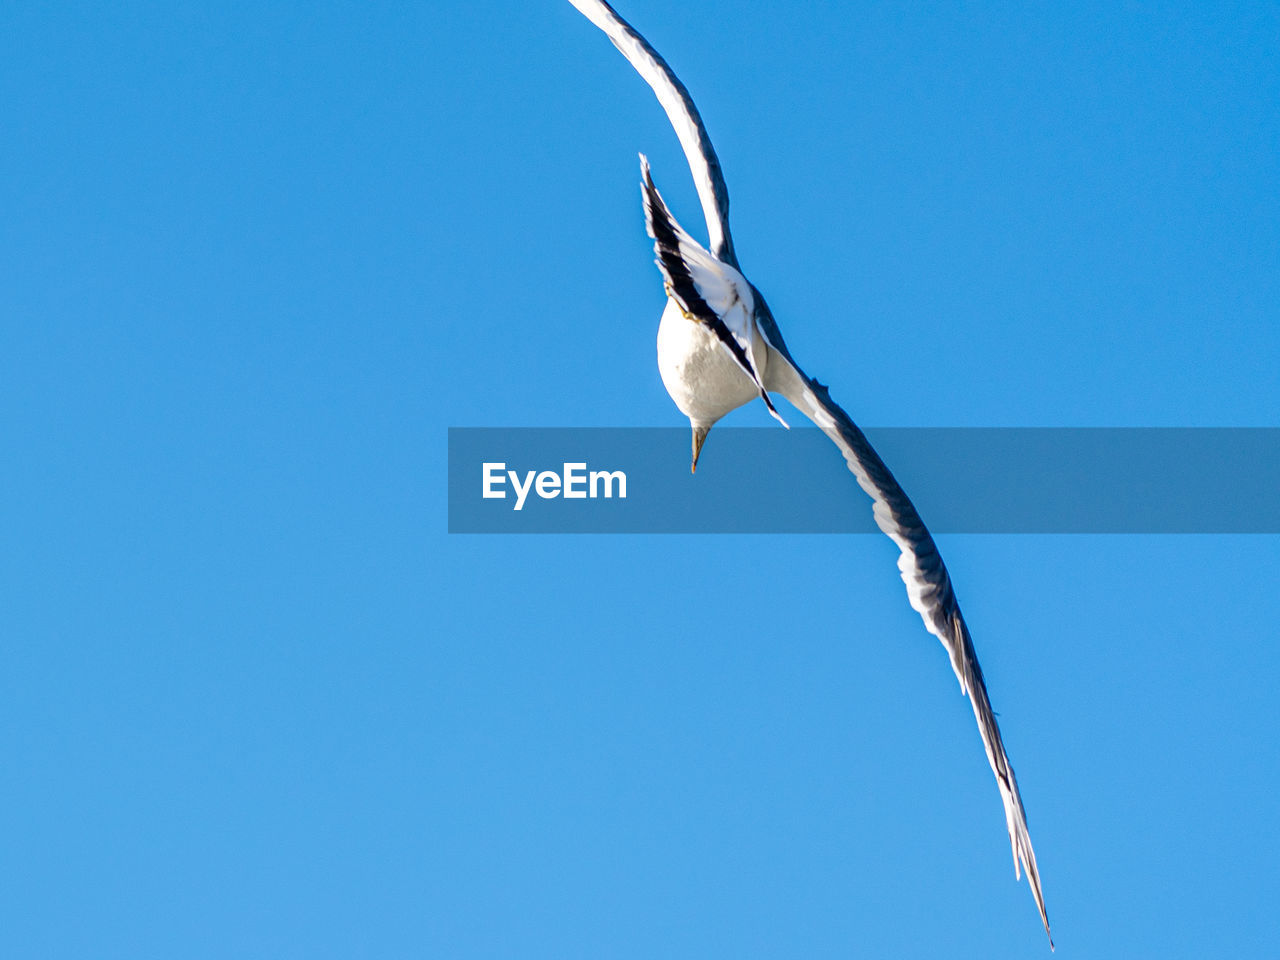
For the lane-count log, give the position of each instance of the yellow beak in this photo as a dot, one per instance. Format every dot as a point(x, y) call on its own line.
point(699, 437)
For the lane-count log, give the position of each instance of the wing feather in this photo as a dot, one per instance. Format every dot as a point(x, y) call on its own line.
point(928, 587)
point(684, 117)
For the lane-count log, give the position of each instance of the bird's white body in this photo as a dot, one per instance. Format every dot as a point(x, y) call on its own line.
point(702, 378)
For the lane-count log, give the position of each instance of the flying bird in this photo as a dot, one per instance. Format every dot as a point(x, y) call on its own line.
point(719, 347)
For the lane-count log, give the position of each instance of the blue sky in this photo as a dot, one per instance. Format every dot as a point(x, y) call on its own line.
point(257, 702)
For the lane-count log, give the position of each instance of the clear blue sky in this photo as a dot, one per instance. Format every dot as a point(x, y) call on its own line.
point(256, 258)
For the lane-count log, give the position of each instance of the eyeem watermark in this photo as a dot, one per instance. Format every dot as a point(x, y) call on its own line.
point(573, 482)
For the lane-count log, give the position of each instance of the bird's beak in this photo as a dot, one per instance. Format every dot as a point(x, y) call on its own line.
point(699, 437)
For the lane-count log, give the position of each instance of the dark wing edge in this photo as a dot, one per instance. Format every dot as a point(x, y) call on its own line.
point(684, 117)
point(928, 587)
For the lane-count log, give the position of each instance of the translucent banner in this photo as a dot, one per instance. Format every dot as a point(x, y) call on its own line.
point(962, 480)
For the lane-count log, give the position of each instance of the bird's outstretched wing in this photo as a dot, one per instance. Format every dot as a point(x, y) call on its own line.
point(675, 100)
point(928, 586)
point(707, 291)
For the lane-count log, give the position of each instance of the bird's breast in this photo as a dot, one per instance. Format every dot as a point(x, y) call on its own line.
point(702, 378)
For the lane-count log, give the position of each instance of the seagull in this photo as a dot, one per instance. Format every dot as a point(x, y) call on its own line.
point(719, 348)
